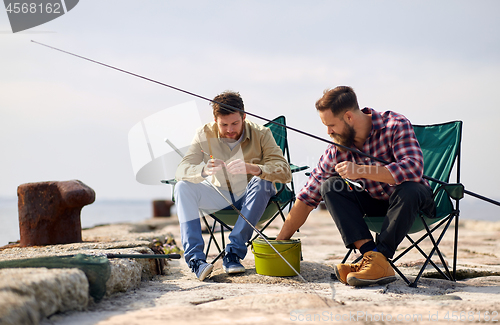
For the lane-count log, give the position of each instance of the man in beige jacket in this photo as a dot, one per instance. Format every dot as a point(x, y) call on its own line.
point(243, 161)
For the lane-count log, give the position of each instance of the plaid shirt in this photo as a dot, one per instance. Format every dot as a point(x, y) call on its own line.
point(391, 139)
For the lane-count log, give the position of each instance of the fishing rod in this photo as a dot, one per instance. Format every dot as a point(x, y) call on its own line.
point(262, 118)
point(160, 256)
point(208, 99)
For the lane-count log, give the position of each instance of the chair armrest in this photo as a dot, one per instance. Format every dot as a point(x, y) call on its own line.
point(455, 191)
point(295, 168)
point(170, 182)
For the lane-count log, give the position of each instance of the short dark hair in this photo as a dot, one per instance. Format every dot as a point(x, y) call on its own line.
point(231, 98)
point(338, 100)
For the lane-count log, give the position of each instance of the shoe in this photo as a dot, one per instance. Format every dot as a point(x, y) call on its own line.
point(342, 270)
point(201, 268)
point(375, 269)
point(231, 264)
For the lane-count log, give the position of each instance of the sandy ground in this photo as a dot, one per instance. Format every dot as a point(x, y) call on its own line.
point(179, 298)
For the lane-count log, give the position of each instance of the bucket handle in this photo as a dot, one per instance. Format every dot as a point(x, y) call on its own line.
point(272, 255)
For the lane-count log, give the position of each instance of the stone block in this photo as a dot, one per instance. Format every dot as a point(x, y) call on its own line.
point(29, 295)
point(125, 275)
point(49, 212)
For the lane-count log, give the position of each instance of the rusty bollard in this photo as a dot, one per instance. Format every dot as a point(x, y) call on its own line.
point(161, 208)
point(49, 212)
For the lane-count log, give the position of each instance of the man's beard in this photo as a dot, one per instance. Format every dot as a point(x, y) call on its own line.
point(346, 139)
point(235, 137)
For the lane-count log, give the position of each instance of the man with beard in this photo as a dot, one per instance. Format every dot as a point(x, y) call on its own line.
point(396, 190)
point(242, 159)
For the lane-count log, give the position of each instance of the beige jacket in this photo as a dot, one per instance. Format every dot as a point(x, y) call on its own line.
point(257, 147)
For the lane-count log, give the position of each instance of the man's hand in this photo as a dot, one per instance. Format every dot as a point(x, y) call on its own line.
point(347, 169)
point(238, 166)
point(295, 219)
point(212, 167)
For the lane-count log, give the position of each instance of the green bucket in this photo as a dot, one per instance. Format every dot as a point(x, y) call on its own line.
point(267, 262)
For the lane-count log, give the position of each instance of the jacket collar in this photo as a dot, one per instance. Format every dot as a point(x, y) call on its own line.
point(377, 119)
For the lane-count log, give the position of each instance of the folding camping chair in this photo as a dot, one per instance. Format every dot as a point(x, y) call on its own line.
point(284, 197)
point(440, 145)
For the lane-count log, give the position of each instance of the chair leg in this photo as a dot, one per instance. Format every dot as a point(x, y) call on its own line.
point(347, 255)
point(405, 279)
point(435, 248)
point(221, 254)
point(455, 246)
point(281, 210)
point(222, 237)
point(212, 236)
point(415, 243)
point(426, 257)
point(211, 230)
point(422, 269)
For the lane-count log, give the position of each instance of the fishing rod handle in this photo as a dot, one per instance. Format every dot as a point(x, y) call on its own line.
point(171, 256)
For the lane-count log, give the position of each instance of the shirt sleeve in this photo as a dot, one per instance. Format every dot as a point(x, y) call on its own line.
point(310, 193)
point(274, 166)
point(192, 163)
point(409, 160)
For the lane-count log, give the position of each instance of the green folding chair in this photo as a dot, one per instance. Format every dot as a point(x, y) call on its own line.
point(276, 206)
point(440, 145)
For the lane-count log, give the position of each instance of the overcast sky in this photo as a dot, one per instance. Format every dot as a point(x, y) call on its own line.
point(65, 118)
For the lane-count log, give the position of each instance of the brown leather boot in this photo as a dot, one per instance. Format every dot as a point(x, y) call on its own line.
point(342, 270)
point(375, 269)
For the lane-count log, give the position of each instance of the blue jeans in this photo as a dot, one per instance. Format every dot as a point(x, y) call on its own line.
point(190, 197)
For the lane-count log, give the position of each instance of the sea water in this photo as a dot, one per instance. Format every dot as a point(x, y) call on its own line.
point(118, 211)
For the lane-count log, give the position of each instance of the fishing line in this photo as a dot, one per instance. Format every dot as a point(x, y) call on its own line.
point(262, 118)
